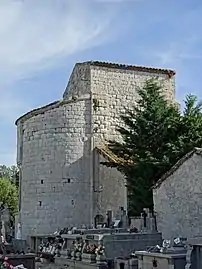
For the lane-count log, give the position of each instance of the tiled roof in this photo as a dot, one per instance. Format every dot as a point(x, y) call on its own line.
point(177, 165)
point(110, 156)
point(169, 72)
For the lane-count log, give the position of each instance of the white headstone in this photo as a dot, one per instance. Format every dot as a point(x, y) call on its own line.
point(3, 230)
point(18, 235)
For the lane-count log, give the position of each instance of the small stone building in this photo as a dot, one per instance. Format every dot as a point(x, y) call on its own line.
point(60, 147)
point(178, 198)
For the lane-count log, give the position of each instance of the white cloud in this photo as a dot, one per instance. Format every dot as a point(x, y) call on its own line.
point(11, 106)
point(36, 34)
point(178, 52)
point(41, 34)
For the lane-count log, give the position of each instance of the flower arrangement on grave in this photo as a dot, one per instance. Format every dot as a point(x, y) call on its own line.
point(4, 264)
point(78, 250)
point(79, 247)
point(90, 249)
point(88, 252)
point(47, 251)
point(100, 250)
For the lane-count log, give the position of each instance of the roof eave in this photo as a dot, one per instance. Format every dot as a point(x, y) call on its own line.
point(168, 72)
point(176, 166)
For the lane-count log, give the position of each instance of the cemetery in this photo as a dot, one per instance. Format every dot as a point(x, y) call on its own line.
point(118, 245)
point(73, 210)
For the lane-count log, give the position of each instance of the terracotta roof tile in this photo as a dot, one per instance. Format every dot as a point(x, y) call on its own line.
point(110, 156)
point(169, 72)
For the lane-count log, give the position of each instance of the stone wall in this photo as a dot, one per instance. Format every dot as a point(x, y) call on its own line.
point(56, 143)
point(114, 90)
point(109, 188)
point(79, 81)
point(178, 200)
point(55, 169)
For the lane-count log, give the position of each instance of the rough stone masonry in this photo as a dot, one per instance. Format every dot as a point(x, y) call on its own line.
point(60, 146)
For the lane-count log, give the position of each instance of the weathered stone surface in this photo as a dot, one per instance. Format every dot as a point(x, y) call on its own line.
point(55, 172)
point(177, 201)
point(62, 181)
point(173, 260)
point(116, 90)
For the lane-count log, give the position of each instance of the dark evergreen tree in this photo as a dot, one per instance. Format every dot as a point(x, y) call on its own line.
point(155, 136)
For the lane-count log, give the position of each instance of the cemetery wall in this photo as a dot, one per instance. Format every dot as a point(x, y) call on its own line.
point(177, 201)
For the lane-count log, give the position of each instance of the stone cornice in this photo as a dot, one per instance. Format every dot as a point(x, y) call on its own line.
point(48, 107)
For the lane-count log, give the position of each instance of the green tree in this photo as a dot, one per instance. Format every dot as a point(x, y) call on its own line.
point(10, 172)
point(156, 135)
point(9, 195)
point(189, 133)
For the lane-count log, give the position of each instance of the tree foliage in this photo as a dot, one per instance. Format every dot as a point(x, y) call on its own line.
point(10, 172)
point(154, 137)
point(9, 182)
point(9, 195)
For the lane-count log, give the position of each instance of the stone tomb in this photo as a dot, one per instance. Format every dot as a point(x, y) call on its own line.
point(194, 254)
point(117, 244)
point(62, 262)
point(123, 244)
point(28, 260)
point(171, 258)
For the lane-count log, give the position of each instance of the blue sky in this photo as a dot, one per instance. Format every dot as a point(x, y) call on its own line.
point(41, 40)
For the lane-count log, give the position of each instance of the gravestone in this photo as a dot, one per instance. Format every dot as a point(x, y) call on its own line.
point(194, 254)
point(5, 215)
point(18, 234)
point(4, 221)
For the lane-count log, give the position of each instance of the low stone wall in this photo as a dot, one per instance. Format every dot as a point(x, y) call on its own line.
point(63, 262)
point(122, 245)
point(72, 264)
point(168, 260)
